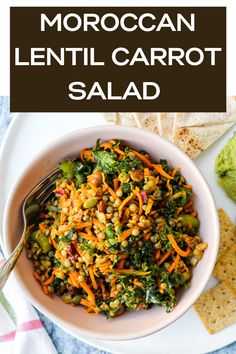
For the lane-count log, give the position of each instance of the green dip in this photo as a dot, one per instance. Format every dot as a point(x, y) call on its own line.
point(226, 167)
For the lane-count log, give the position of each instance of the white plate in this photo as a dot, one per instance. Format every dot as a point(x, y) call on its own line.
point(26, 136)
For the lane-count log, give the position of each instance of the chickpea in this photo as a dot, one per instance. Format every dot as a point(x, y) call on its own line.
point(187, 275)
point(96, 179)
point(124, 243)
point(67, 263)
point(109, 209)
point(123, 177)
point(117, 203)
point(133, 207)
point(135, 232)
point(116, 303)
point(153, 239)
point(64, 253)
point(80, 278)
point(202, 246)
point(119, 192)
point(137, 175)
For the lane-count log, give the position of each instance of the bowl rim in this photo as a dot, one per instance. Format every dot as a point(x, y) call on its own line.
point(64, 323)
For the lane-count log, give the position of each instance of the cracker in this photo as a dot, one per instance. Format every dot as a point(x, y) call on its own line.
point(225, 269)
point(227, 233)
point(217, 307)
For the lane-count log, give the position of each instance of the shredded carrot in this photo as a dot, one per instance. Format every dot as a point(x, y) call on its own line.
point(189, 204)
point(89, 305)
point(160, 170)
point(119, 151)
point(194, 213)
point(63, 228)
point(110, 190)
point(164, 257)
point(92, 311)
point(106, 145)
point(175, 170)
point(149, 206)
point(99, 224)
point(87, 236)
point(37, 276)
point(125, 235)
point(188, 239)
point(143, 158)
point(53, 242)
point(102, 288)
point(138, 283)
point(91, 274)
point(174, 264)
point(79, 250)
point(42, 227)
point(86, 155)
point(112, 193)
point(126, 215)
point(74, 278)
point(187, 186)
point(157, 255)
point(121, 263)
point(45, 289)
point(50, 280)
point(82, 225)
point(177, 248)
point(60, 257)
point(147, 236)
point(139, 306)
point(169, 186)
point(124, 202)
point(140, 200)
point(116, 184)
point(147, 172)
point(114, 280)
point(86, 303)
point(130, 271)
point(88, 290)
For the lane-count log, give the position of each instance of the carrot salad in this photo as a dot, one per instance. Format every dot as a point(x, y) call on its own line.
point(118, 233)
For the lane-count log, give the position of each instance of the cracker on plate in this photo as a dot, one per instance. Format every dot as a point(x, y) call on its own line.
point(147, 120)
point(227, 233)
point(225, 269)
point(216, 307)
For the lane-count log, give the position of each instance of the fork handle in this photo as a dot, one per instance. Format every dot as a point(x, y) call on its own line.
point(7, 267)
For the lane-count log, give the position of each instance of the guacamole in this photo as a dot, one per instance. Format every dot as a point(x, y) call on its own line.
point(226, 167)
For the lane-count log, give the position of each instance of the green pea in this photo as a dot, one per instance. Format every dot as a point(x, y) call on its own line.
point(43, 242)
point(90, 203)
point(76, 299)
point(189, 219)
point(67, 299)
point(50, 289)
point(123, 177)
point(187, 275)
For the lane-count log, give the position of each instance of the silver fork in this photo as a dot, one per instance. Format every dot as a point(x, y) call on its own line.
point(30, 209)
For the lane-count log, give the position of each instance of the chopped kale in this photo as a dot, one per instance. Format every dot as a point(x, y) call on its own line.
point(106, 161)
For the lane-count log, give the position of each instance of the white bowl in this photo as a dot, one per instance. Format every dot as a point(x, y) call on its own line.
point(130, 325)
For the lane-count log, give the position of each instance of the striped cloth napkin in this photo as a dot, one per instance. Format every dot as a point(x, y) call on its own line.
point(21, 331)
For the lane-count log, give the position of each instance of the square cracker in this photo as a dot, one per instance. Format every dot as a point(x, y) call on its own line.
point(227, 233)
point(225, 269)
point(217, 307)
